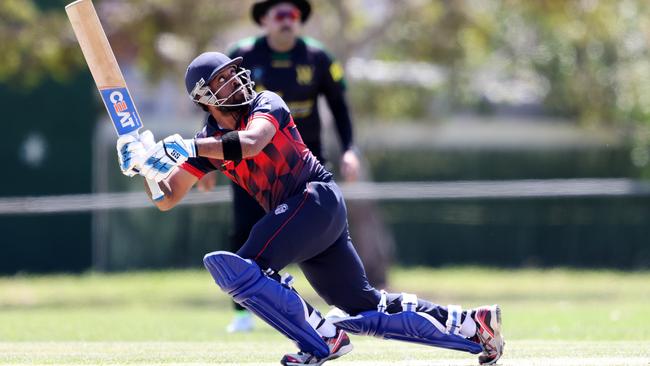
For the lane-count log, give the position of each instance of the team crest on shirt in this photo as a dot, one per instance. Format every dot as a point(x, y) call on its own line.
point(336, 70)
point(304, 74)
point(281, 209)
point(264, 105)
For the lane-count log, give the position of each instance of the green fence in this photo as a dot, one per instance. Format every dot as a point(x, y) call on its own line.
point(46, 149)
point(584, 232)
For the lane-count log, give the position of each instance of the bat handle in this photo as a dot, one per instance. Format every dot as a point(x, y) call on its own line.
point(156, 193)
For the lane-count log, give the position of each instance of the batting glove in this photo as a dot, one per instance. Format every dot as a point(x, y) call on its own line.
point(146, 137)
point(130, 152)
point(166, 155)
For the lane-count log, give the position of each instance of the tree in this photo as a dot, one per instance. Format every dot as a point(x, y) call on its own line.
point(36, 40)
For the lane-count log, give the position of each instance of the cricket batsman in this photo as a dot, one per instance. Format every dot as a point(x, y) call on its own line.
point(252, 139)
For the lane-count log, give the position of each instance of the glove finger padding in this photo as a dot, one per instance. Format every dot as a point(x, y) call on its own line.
point(129, 153)
point(147, 139)
point(161, 159)
point(157, 165)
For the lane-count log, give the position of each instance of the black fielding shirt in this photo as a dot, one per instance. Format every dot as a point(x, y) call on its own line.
point(299, 76)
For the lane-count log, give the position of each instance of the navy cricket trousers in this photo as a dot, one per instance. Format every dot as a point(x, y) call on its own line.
point(311, 229)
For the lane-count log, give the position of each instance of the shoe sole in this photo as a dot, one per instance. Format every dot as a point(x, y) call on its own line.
point(344, 350)
point(341, 352)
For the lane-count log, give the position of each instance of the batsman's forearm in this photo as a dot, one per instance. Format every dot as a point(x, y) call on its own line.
point(212, 147)
point(165, 203)
point(209, 147)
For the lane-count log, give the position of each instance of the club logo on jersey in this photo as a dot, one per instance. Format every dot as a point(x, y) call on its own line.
point(304, 74)
point(264, 105)
point(121, 109)
point(336, 71)
point(281, 209)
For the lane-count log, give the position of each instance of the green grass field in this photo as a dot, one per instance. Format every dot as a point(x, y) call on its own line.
point(553, 317)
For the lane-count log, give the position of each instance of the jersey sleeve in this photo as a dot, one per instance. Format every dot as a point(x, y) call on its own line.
point(199, 166)
point(333, 87)
point(271, 107)
point(333, 75)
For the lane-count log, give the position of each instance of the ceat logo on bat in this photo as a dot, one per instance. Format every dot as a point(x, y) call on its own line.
point(121, 109)
point(120, 105)
point(117, 98)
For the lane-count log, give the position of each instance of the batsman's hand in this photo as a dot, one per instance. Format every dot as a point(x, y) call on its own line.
point(131, 152)
point(147, 139)
point(167, 154)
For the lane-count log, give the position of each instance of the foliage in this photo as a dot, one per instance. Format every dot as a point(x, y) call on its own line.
point(589, 56)
point(37, 42)
point(391, 102)
point(34, 44)
point(163, 36)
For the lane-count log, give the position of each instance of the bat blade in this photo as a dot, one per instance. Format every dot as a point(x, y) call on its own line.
point(106, 72)
point(103, 66)
point(122, 110)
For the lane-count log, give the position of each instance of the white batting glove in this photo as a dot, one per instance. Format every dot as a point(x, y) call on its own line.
point(146, 137)
point(130, 152)
point(167, 154)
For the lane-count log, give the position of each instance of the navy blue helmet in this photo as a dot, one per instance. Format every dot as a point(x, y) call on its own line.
point(204, 68)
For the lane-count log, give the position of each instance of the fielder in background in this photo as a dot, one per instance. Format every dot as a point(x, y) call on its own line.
point(252, 139)
point(299, 69)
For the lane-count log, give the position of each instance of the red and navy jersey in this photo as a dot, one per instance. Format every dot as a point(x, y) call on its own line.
point(299, 76)
point(280, 170)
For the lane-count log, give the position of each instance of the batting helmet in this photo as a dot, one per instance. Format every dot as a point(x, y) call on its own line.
point(204, 68)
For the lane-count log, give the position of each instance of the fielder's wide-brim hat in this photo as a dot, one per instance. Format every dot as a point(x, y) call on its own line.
point(260, 8)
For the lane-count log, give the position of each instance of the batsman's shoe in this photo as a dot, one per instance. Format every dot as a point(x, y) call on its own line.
point(242, 322)
point(488, 333)
point(338, 345)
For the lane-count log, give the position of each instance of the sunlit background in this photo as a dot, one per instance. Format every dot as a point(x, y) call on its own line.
point(525, 121)
point(506, 150)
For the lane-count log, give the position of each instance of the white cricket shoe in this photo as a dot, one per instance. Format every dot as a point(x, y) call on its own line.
point(242, 322)
point(339, 345)
point(488, 333)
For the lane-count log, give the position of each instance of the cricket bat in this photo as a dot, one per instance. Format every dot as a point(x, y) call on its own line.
point(107, 74)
